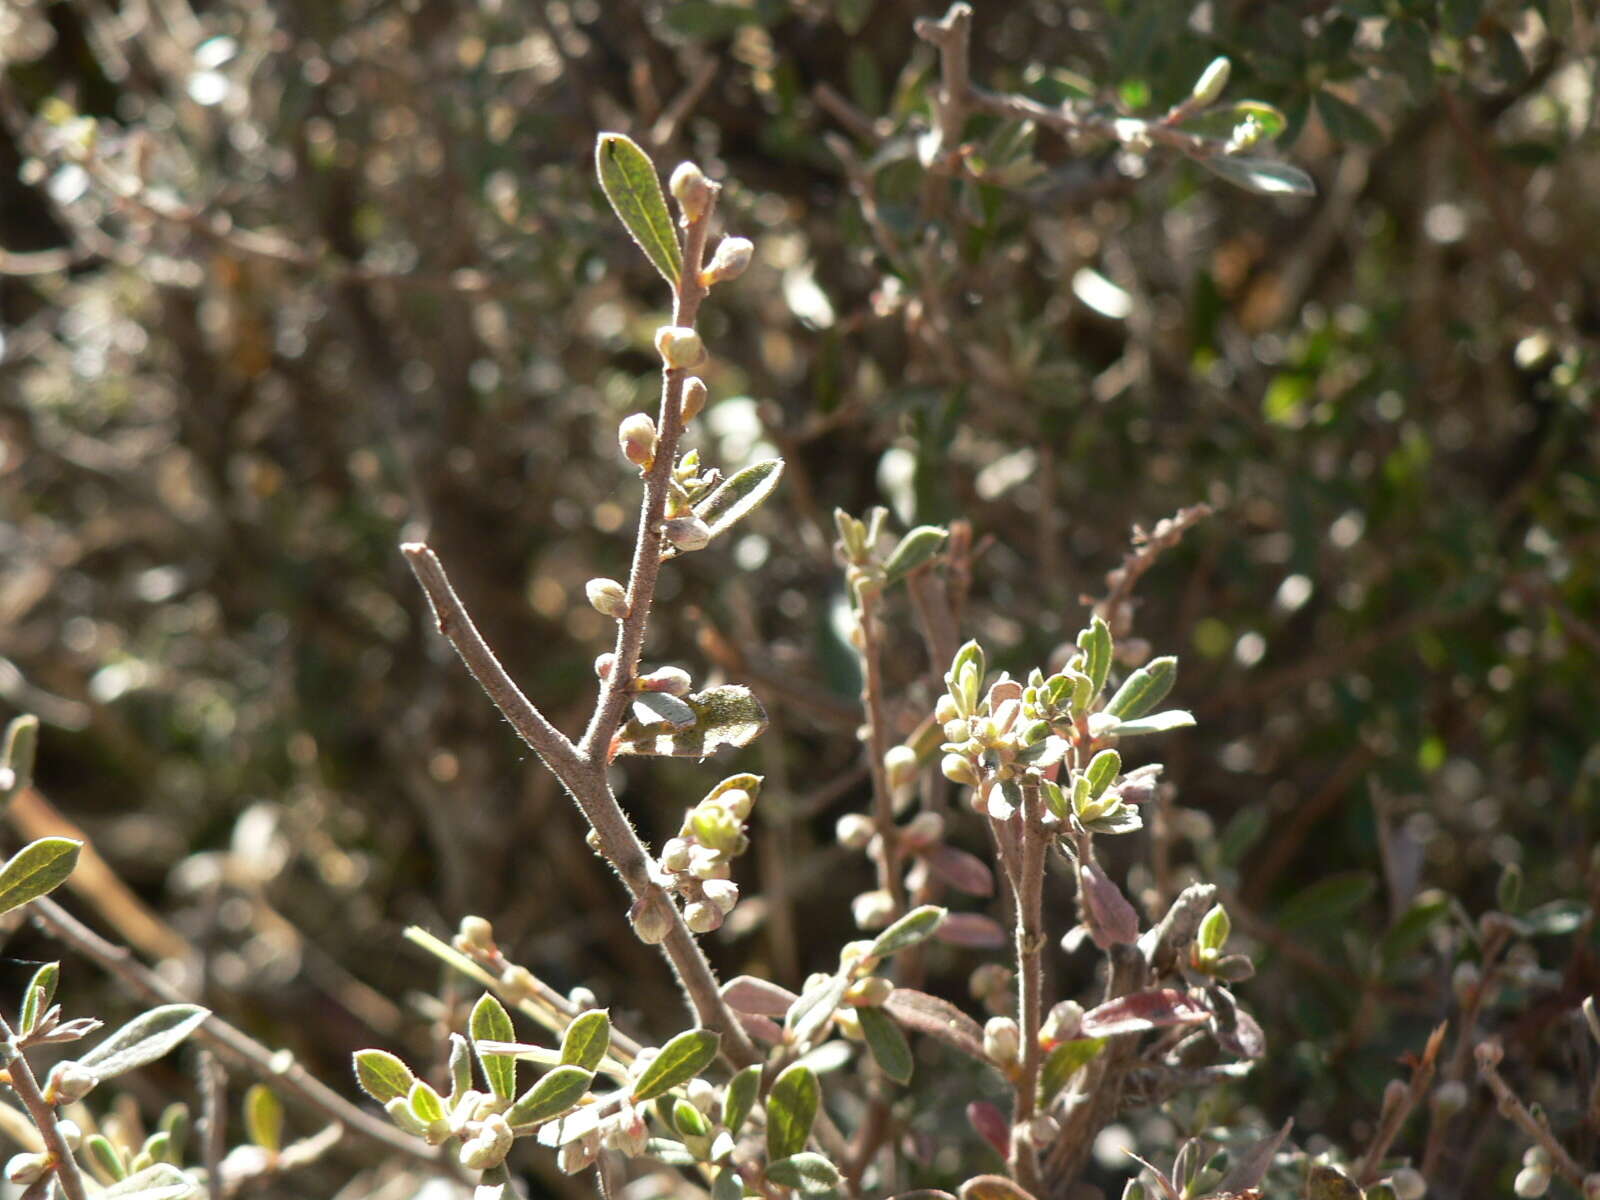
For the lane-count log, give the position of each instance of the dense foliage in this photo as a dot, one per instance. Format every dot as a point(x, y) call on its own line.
point(283, 287)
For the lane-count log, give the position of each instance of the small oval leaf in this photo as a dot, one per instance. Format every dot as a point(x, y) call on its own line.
point(382, 1076)
point(144, 1039)
point(740, 1098)
point(629, 180)
point(888, 1044)
point(587, 1039)
point(680, 1060)
point(490, 1022)
point(916, 548)
point(807, 1172)
point(1264, 176)
point(791, 1108)
point(739, 495)
point(1144, 689)
point(37, 869)
point(556, 1093)
point(916, 926)
point(263, 1117)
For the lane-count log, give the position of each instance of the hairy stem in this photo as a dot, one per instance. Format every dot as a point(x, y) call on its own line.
point(1030, 985)
point(43, 1114)
point(888, 855)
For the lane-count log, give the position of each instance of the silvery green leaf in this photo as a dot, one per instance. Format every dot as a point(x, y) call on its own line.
point(887, 1042)
point(727, 1186)
point(658, 708)
point(629, 180)
point(587, 1039)
point(1265, 176)
point(36, 1000)
point(1095, 643)
point(1143, 689)
point(38, 868)
point(807, 1172)
point(490, 1022)
point(791, 1109)
point(382, 1076)
point(1103, 768)
point(162, 1181)
point(723, 716)
point(1123, 819)
point(916, 548)
point(917, 925)
point(555, 1094)
point(680, 1060)
point(670, 1152)
point(814, 1008)
point(144, 1039)
point(740, 1098)
point(739, 495)
point(1161, 722)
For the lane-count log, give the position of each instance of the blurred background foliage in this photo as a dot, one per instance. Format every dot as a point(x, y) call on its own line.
point(285, 284)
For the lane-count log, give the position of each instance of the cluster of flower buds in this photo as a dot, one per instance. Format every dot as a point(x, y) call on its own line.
point(625, 1131)
point(991, 985)
point(696, 864)
point(867, 989)
point(991, 742)
point(688, 484)
point(474, 937)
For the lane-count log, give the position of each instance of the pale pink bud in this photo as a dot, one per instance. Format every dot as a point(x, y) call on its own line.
point(675, 855)
point(24, 1169)
point(873, 910)
point(679, 346)
point(578, 1154)
point(1002, 1041)
point(687, 533)
point(924, 830)
point(854, 831)
point(608, 597)
point(651, 919)
point(738, 802)
point(694, 397)
point(674, 681)
point(692, 190)
point(722, 894)
point(871, 992)
point(637, 438)
point(69, 1081)
point(603, 665)
point(701, 917)
point(729, 262)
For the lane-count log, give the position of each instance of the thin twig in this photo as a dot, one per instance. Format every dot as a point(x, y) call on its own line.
point(213, 1125)
point(888, 852)
point(1030, 992)
point(1515, 1111)
point(1395, 1111)
point(19, 1075)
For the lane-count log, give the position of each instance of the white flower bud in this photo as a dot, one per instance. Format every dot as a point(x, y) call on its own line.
point(675, 855)
point(1464, 978)
point(872, 992)
point(674, 681)
point(582, 998)
point(738, 802)
point(69, 1081)
point(23, 1169)
point(701, 1094)
point(723, 894)
point(70, 1133)
point(679, 347)
point(694, 398)
point(854, 831)
point(900, 765)
point(1408, 1184)
point(489, 1147)
point(628, 1132)
point(603, 665)
point(946, 711)
point(1043, 1130)
point(1211, 82)
point(957, 730)
point(687, 533)
point(636, 435)
point(872, 910)
point(1002, 1041)
point(958, 768)
point(1449, 1098)
point(1062, 1023)
point(923, 830)
point(474, 933)
point(607, 597)
point(701, 917)
point(729, 262)
point(692, 190)
point(1531, 1182)
point(578, 1154)
point(651, 920)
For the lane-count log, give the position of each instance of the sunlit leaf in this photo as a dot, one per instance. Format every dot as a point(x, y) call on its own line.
point(887, 1042)
point(144, 1039)
point(680, 1060)
point(1265, 176)
point(723, 716)
point(37, 869)
point(791, 1108)
point(629, 180)
point(739, 495)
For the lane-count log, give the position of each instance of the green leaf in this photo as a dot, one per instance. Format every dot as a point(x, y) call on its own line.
point(1095, 642)
point(1161, 722)
point(1222, 122)
point(558, 1092)
point(425, 1103)
point(99, 1150)
point(144, 1039)
point(1103, 768)
point(672, 1153)
point(1409, 49)
point(812, 1009)
point(16, 760)
point(680, 1060)
point(739, 495)
point(1327, 1182)
point(1326, 902)
point(36, 1000)
point(916, 548)
point(36, 869)
point(740, 1098)
point(587, 1039)
point(1345, 121)
point(382, 1076)
point(724, 716)
point(1265, 176)
point(917, 925)
point(707, 20)
point(1407, 933)
point(1144, 689)
point(263, 1117)
point(807, 1172)
point(629, 180)
point(1555, 918)
point(161, 1181)
point(491, 1023)
point(1065, 1061)
point(689, 1121)
point(791, 1108)
point(888, 1044)
point(728, 1185)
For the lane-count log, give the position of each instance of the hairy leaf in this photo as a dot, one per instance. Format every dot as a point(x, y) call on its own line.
point(161, 1181)
point(629, 180)
point(887, 1042)
point(263, 1117)
point(740, 1097)
point(973, 931)
point(917, 925)
point(807, 1171)
point(144, 1039)
point(938, 1018)
point(382, 1076)
point(791, 1108)
point(960, 870)
point(723, 716)
point(490, 1022)
point(587, 1039)
point(747, 994)
point(1144, 689)
point(38, 868)
point(916, 548)
point(553, 1095)
point(1161, 722)
point(739, 495)
point(1142, 1011)
point(680, 1060)
point(808, 1014)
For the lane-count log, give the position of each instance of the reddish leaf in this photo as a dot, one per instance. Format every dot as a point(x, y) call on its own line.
point(763, 1029)
point(1142, 1011)
point(992, 1127)
point(993, 1187)
point(974, 931)
point(747, 994)
point(960, 870)
point(922, 1013)
point(1107, 913)
point(1238, 1033)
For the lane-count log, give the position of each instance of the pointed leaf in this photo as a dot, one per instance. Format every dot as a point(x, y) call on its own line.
point(658, 708)
point(36, 1001)
point(916, 548)
point(917, 925)
point(807, 1171)
point(1139, 1012)
point(815, 1007)
point(556, 1093)
point(748, 994)
point(1161, 722)
point(724, 716)
point(425, 1103)
point(739, 495)
point(1103, 768)
point(587, 1039)
point(629, 180)
point(1265, 176)
point(144, 1039)
point(491, 1022)
point(1144, 689)
point(791, 1108)
point(382, 1076)
point(740, 1098)
point(1065, 1061)
point(680, 1060)
point(960, 870)
point(1095, 642)
point(36, 869)
point(263, 1117)
point(991, 1125)
point(888, 1044)
point(1248, 1167)
point(938, 1018)
point(1109, 916)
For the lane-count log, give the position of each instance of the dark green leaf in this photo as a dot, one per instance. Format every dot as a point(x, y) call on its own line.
point(491, 1023)
point(38, 868)
point(916, 548)
point(888, 1044)
point(1065, 1061)
point(628, 178)
point(587, 1039)
point(553, 1095)
point(144, 1039)
point(791, 1108)
point(1327, 901)
point(1144, 689)
point(382, 1076)
point(263, 1117)
point(806, 1171)
point(740, 1098)
point(1265, 176)
point(917, 925)
point(680, 1060)
point(724, 716)
point(1103, 768)
point(739, 495)
point(1408, 932)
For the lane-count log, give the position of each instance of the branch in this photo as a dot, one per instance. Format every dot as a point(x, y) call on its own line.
point(1515, 1111)
point(1030, 975)
point(19, 1075)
